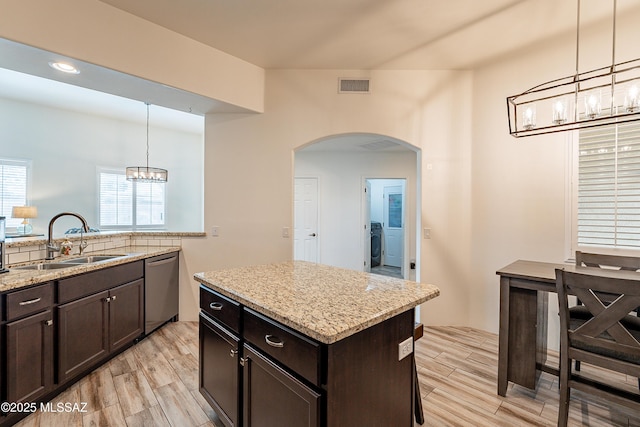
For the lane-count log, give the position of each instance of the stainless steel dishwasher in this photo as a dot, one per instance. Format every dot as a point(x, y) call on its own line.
point(160, 290)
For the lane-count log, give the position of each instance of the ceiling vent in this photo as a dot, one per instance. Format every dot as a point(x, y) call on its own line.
point(354, 86)
point(379, 145)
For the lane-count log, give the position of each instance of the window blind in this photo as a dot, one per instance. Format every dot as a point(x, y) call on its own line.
point(130, 204)
point(150, 203)
point(116, 203)
point(609, 186)
point(13, 188)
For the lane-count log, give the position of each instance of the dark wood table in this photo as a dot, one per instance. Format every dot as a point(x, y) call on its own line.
point(524, 302)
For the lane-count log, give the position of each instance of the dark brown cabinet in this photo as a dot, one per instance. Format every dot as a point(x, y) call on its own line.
point(92, 327)
point(29, 357)
point(220, 370)
point(53, 333)
point(246, 387)
point(82, 335)
point(289, 379)
point(29, 339)
point(99, 312)
point(126, 314)
point(273, 397)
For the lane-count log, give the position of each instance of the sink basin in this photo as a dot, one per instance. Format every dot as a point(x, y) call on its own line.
point(45, 266)
point(90, 259)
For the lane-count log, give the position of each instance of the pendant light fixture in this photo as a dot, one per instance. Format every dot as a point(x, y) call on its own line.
point(604, 96)
point(146, 173)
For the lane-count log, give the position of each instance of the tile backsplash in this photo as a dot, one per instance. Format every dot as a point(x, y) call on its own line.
point(34, 250)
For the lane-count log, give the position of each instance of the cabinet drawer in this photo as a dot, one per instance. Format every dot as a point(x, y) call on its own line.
point(220, 308)
point(93, 282)
point(300, 354)
point(28, 301)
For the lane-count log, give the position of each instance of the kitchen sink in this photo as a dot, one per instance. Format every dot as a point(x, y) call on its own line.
point(90, 259)
point(45, 266)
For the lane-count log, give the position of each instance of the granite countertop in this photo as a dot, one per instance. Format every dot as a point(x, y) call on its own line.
point(325, 303)
point(15, 278)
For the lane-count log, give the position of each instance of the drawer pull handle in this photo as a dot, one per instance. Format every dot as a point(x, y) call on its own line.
point(113, 298)
point(273, 341)
point(31, 301)
point(48, 322)
point(215, 306)
point(233, 353)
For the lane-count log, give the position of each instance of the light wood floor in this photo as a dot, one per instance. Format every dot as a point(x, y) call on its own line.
point(155, 384)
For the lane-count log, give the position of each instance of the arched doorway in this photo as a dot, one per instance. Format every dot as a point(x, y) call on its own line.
point(334, 226)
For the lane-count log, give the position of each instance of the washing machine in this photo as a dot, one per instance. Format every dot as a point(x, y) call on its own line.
point(376, 243)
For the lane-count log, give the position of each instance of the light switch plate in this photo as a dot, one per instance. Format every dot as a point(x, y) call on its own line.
point(405, 348)
point(215, 231)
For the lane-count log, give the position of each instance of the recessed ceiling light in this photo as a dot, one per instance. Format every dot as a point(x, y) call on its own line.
point(64, 67)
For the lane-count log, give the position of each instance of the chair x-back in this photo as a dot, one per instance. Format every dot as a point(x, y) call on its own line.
point(609, 338)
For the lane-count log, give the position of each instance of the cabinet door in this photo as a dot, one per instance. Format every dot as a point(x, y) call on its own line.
point(29, 357)
point(272, 397)
point(125, 314)
point(220, 371)
point(82, 334)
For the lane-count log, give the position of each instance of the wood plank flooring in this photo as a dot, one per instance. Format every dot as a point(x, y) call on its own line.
point(155, 383)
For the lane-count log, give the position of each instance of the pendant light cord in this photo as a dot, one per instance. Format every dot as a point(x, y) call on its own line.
point(613, 41)
point(147, 135)
point(577, 41)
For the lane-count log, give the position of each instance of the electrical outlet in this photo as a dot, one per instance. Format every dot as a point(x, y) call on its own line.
point(285, 231)
point(427, 233)
point(405, 348)
point(215, 231)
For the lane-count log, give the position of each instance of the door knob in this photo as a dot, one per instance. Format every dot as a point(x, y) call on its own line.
point(312, 234)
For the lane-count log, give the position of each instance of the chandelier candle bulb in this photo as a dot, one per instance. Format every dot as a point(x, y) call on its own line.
point(559, 112)
point(593, 105)
point(632, 99)
point(529, 118)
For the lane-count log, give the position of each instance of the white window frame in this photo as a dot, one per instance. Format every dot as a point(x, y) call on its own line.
point(573, 157)
point(5, 210)
point(133, 225)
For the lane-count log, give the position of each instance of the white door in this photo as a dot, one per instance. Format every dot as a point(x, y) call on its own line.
point(305, 231)
point(367, 227)
point(393, 225)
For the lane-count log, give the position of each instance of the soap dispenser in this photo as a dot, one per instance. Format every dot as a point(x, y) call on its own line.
point(66, 246)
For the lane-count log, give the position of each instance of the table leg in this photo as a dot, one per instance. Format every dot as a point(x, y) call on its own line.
point(503, 337)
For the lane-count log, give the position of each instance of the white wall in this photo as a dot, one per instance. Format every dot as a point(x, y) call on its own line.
point(340, 178)
point(249, 169)
point(520, 186)
point(95, 32)
point(67, 147)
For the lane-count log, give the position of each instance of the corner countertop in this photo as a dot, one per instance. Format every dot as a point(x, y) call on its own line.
point(323, 302)
point(15, 278)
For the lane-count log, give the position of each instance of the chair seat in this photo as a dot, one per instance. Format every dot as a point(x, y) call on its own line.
point(578, 315)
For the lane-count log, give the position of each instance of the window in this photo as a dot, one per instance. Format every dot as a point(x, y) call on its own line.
point(130, 204)
point(13, 187)
point(608, 204)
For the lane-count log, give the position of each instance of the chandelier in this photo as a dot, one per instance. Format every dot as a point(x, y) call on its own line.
point(604, 96)
point(146, 173)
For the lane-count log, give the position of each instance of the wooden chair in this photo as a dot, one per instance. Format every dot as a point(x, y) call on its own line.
point(618, 262)
point(586, 259)
point(610, 338)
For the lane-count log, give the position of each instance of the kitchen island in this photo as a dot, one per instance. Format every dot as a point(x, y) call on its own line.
point(303, 344)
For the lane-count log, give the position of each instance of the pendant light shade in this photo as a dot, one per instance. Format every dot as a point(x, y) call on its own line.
point(605, 96)
point(146, 173)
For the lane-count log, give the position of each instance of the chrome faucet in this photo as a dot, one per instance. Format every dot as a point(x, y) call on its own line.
point(51, 248)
